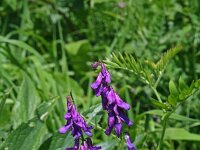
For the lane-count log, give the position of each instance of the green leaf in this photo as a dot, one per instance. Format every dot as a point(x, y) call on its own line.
point(108, 145)
point(160, 65)
point(21, 45)
point(74, 47)
point(172, 88)
point(182, 85)
point(27, 136)
point(44, 108)
point(172, 116)
point(180, 134)
point(93, 112)
point(61, 141)
point(158, 104)
point(172, 100)
point(26, 102)
point(2, 102)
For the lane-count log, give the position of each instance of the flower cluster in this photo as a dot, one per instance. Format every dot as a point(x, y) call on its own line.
point(77, 125)
point(111, 102)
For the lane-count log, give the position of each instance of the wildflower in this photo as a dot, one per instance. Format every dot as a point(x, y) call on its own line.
point(102, 80)
point(129, 144)
point(87, 145)
point(75, 122)
point(111, 102)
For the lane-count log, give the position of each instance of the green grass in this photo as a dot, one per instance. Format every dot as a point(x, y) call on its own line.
point(46, 51)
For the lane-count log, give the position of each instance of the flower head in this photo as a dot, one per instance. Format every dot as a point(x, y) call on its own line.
point(75, 122)
point(129, 144)
point(111, 102)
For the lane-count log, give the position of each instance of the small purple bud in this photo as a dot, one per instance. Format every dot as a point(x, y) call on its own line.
point(118, 129)
point(129, 144)
point(95, 65)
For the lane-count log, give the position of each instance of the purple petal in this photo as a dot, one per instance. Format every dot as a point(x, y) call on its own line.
point(84, 146)
point(104, 102)
point(125, 119)
point(98, 91)
point(65, 128)
point(69, 103)
point(118, 129)
point(108, 130)
point(67, 116)
point(96, 84)
point(105, 74)
point(95, 148)
point(120, 103)
point(87, 131)
point(111, 119)
point(111, 96)
point(74, 113)
point(90, 145)
point(76, 131)
point(129, 144)
point(108, 79)
point(115, 108)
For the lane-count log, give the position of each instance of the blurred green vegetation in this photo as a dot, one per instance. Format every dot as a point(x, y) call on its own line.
point(47, 47)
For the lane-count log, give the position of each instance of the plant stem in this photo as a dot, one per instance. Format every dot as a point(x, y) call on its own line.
point(163, 130)
point(156, 93)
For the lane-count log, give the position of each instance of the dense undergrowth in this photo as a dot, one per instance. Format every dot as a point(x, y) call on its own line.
point(46, 51)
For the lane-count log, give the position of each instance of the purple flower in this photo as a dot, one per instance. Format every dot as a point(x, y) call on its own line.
point(129, 144)
point(75, 122)
point(87, 145)
point(103, 79)
point(115, 121)
point(111, 102)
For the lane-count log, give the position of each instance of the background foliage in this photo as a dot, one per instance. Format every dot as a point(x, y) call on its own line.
point(47, 46)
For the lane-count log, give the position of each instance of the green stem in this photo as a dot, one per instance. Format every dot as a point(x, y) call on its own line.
point(156, 93)
point(163, 131)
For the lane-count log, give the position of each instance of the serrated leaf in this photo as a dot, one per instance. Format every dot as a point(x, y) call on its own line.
point(26, 136)
point(180, 134)
point(172, 88)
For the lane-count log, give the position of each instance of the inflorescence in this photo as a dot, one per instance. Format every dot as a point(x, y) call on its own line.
point(111, 102)
point(77, 125)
